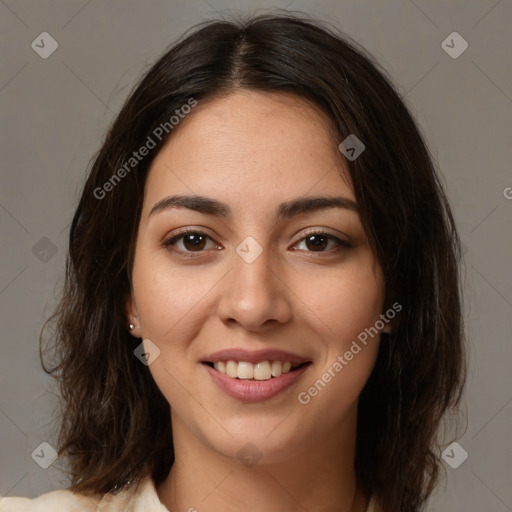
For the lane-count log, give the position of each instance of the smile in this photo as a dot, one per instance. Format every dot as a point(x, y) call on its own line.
point(249, 388)
point(263, 370)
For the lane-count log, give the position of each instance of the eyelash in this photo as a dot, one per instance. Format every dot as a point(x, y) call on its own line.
point(168, 243)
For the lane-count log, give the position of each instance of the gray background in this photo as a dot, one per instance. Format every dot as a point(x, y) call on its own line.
point(56, 110)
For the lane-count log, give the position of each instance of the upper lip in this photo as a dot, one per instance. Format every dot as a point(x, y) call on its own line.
point(254, 356)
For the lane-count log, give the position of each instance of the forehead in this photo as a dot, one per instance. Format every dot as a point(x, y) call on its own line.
point(250, 148)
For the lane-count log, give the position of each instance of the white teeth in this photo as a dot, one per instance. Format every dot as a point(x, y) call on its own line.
point(245, 370)
point(263, 370)
point(231, 369)
point(277, 368)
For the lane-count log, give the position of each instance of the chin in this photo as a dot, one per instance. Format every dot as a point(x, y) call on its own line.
point(270, 441)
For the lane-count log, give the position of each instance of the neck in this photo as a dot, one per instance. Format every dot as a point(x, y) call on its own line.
point(319, 477)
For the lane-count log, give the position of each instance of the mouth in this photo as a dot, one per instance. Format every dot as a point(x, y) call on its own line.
point(257, 381)
point(255, 375)
point(260, 371)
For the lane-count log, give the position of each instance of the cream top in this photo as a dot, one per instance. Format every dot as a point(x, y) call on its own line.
point(140, 498)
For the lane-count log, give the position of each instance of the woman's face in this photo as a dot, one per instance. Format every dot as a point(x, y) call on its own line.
point(252, 284)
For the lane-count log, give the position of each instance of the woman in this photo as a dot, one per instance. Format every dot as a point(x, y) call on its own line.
point(262, 305)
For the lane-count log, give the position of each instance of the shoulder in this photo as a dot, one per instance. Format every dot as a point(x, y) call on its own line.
point(51, 501)
point(137, 498)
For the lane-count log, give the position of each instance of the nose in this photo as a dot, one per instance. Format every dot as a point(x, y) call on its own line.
point(254, 295)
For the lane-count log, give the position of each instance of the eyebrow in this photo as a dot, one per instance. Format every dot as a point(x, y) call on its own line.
point(285, 210)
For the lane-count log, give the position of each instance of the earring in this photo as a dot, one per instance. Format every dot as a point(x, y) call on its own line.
point(131, 326)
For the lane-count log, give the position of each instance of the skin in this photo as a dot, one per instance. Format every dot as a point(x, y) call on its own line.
point(252, 151)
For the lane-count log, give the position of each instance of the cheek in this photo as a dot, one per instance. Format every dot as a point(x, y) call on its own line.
point(343, 304)
point(167, 298)
point(173, 306)
point(346, 308)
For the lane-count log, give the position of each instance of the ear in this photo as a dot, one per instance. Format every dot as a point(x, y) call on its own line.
point(387, 328)
point(132, 317)
point(389, 317)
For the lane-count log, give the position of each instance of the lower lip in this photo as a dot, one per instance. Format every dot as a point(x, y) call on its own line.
point(254, 390)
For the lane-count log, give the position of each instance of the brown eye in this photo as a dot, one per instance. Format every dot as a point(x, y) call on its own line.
point(194, 241)
point(319, 242)
point(188, 242)
point(316, 242)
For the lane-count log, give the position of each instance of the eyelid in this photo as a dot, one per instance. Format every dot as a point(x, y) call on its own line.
point(320, 230)
point(341, 244)
point(168, 242)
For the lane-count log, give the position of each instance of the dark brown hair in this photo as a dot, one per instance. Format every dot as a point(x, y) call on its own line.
point(116, 425)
